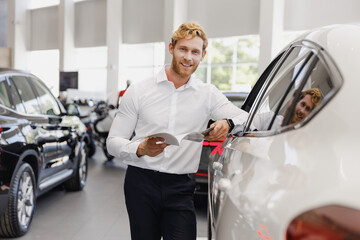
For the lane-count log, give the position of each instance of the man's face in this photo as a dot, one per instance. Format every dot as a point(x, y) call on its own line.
point(302, 109)
point(187, 55)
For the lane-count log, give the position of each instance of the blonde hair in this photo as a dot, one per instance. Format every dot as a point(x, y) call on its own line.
point(315, 95)
point(189, 30)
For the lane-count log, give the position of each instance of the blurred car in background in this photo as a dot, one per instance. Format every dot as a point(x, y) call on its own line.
point(84, 110)
point(201, 176)
point(41, 147)
point(295, 180)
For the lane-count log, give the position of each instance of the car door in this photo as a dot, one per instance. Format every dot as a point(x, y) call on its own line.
point(49, 137)
point(253, 172)
point(216, 160)
point(66, 137)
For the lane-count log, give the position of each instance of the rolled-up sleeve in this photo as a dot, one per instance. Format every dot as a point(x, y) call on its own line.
point(222, 108)
point(122, 128)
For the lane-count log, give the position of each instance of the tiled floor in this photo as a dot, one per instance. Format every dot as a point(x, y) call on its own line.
point(96, 213)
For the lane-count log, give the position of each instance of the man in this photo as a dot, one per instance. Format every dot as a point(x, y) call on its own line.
point(305, 103)
point(158, 190)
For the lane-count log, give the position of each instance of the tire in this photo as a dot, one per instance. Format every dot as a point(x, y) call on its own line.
point(107, 154)
point(91, 147)
point(17, 218)
point(78, 181)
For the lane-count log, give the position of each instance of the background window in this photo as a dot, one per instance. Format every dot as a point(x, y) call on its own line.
point(141, 61)
point(48, 74)
point(231, 63)
point(92, 67)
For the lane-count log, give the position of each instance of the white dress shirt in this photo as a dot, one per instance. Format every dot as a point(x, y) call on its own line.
point(154, 105)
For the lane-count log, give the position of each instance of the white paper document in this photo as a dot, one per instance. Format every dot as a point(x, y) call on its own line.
point(175, 140)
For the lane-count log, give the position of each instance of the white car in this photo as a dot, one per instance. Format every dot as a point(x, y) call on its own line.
point(294, 172)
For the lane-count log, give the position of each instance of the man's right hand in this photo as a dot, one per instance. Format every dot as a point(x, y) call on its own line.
point(151, 147)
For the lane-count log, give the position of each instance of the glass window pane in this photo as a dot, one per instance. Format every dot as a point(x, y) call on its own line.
point(95, 57)
point(48, 103)
point(221, 77)
point(93, 80)
point(289, 100)
point(49, 74)
point(205, 60)
point(27, 94)
point(248, 49)
point(201, 73)
point(140, 61)
point(222, 50)
point(19, 106)
point(246, 74)
point(4, 97)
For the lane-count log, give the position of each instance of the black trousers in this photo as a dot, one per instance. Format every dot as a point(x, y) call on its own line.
point(160, 205)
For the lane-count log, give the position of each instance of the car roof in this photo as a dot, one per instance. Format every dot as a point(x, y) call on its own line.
point(3, 70)
point(341, 42)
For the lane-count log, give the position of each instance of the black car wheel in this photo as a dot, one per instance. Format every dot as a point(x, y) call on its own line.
point(91, 148)
point(78, 181)
point(16, 220)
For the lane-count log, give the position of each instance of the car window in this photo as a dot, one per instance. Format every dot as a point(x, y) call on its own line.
point(4, 96)
point(19, 106)
point(27, 94)
point(47, 101)
point(236, 100)
point(298, 87)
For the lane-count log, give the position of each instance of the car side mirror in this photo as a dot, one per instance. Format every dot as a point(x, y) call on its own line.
point(73, 109)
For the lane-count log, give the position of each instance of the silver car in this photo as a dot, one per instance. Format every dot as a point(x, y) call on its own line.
point(293, 172)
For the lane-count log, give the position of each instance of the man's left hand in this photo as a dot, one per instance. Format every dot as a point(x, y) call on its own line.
point(220, 131)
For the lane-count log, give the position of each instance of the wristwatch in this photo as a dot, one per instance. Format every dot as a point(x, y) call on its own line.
point(231, 124)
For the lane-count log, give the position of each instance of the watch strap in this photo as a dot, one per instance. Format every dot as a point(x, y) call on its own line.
point(231, 124)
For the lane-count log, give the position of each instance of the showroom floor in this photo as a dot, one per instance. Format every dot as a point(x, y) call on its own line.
point(96, 213)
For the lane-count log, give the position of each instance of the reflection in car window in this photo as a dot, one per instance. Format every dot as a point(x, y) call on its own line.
point(4, 97)
point(296, 89)
point(27, 94)
point(19, 106)
point(48, 103)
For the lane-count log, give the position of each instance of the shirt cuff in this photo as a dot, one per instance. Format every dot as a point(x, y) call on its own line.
point(132, 149)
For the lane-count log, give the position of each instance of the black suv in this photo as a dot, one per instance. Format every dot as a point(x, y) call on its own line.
point(201, 176)
point(40, 147)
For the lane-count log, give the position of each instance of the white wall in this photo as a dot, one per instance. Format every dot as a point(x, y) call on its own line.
point(308, 14)
point(143, 20)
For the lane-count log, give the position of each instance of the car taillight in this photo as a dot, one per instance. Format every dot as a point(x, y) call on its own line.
point(201, 174)
point(218, 149)
point(326, 223)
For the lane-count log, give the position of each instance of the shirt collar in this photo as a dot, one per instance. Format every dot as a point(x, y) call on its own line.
point(161, 77)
